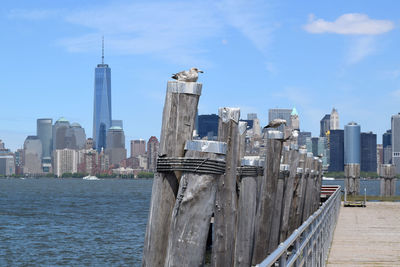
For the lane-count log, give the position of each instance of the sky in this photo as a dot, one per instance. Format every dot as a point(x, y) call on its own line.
point(256, 55)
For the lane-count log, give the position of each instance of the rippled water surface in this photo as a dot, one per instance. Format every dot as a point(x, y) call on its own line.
point(73, 222)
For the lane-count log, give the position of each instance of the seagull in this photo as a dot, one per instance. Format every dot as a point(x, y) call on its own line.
point(275, 123)
point(187, 75)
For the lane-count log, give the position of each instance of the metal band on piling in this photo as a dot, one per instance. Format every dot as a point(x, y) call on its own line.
point(191, 88)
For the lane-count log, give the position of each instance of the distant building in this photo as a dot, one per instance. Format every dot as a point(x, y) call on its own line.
point(102, 104)
point(152, 153)
point(352, 143)
point(75, 137)
point(65, 161)
point(208, 126)
point(138, 147)
point(396, 141)
point(387, 147)
point(44, 130)
point(368, 152)
point(252, 116)
point(280, 113)
point(32, 155)
point(325, 125)
point(336, 151)
point(1, 144)
point(7, 165)
point(88, 161)
point(116, 145)
point(301, 139)
point(89, 143)
point(117, 123)
point(294, 120)
point(59, 132)
point(319, 147)
point(334, 120)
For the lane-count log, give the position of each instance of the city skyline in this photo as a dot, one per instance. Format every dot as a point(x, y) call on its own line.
point(335, 60)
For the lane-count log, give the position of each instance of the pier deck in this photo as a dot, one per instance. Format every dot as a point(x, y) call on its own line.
point(367, 236)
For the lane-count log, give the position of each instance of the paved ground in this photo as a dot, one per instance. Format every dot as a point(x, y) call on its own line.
point(367, 236)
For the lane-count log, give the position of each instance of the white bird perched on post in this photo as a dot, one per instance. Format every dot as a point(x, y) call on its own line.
point(187, 75)
point(275, 123)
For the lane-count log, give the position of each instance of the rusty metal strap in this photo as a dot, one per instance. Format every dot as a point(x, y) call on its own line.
point(196, 165)
point(246, 171)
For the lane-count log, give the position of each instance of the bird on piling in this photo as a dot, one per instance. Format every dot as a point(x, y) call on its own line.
point(275, 123)
point(187, 75)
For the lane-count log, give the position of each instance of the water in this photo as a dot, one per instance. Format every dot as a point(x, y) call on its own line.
point(371, 185)
point(73, 222)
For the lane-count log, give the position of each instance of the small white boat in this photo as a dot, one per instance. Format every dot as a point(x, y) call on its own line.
point(90, 177)
point(328, 178)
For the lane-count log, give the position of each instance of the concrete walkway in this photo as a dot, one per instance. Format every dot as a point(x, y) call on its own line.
point(367, 236)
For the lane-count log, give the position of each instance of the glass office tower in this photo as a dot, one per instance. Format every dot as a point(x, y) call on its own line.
point(102, 104)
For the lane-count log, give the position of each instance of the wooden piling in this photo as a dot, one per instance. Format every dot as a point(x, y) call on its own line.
point(289, 194)
point(177, 126)
point(267, 195)
point(247, 205)
point(298, 200)
point(225, 211)
point(308, 187)
point(194, 206)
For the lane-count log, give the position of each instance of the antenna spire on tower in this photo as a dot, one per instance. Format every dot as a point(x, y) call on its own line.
point(102, 51)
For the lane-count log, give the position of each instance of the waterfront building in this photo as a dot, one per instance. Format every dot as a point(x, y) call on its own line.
point(325, 125)
point(301, 139)
point(65, 161)
point(59, 132)
point(102, 104)
point(44, 130)
point(116, 145)
point(152, 153)
point(352, 143)
point(19, 160)
point(396, 141)
point(387, 147)
point(334, 120)
point(208, 126)
point(319, 147)
point(336, 151)
point(75, 137)
point(88, 161)
point(138, 147)
point(368, 152)
point(1, 144)
point(7, 165)
point(32, 155)
point(280, 113)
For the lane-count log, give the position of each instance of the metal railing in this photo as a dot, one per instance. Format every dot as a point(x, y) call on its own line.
point(309, 244)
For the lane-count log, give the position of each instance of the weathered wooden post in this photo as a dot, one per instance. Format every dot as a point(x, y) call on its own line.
point(298, 199)
point(319, 184)
point(315, 199)
point(226, 199)
point(289, 192)
point(267, 195)
point(177, 126)
point(202, 166)
point(308, 187)
point(249, 173)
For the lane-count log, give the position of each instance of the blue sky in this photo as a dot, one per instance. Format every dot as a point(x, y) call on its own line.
point(256, 55)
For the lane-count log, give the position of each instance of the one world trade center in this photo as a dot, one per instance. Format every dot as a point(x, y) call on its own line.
point(102, 104)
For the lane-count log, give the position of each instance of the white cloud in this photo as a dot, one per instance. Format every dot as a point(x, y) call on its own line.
point(361, 48)
point(351, 23)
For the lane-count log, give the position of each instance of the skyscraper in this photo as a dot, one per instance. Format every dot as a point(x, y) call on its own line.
point(138, 147)
point(396, 141)
point(368, 152)
point(59, 131)
point(116, 145)
point(75, 137)
point(387, 147)
point(44, 130)
point(208, 126)
point(336, 150)
point(32, 155)
point(325, 125)
point(102, 104)
point(334, 120)
point(352, 143)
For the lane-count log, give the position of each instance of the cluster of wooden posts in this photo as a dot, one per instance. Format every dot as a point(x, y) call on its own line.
point(248, 204)
point(387, 175)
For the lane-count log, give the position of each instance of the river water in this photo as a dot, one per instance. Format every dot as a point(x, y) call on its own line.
point(73, 222)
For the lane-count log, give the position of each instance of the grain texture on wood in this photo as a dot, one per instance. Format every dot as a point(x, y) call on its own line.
point(308, 188)
point(192, 215)
point(225, 211)
point(298, 200)
point(177, 126)
point(265, 206)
